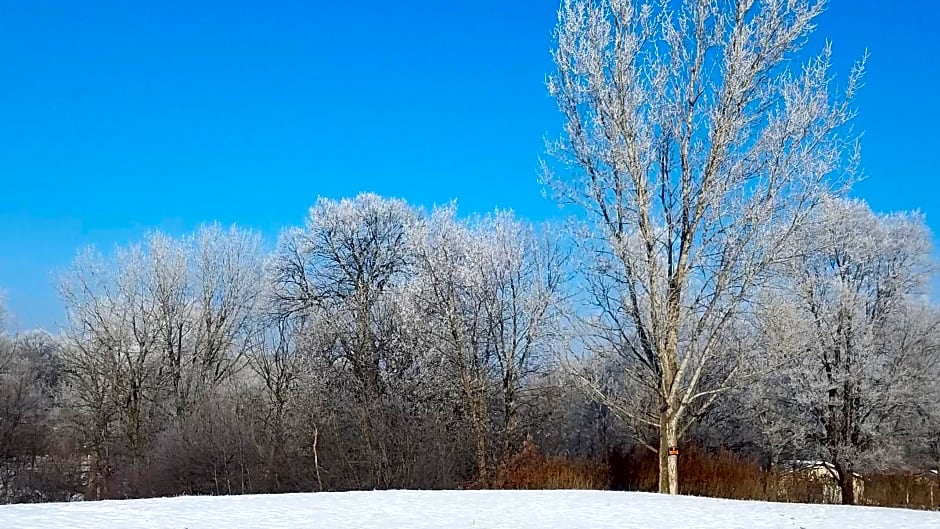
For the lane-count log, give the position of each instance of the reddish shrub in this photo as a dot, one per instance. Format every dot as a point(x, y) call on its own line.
point(719, 474)
point(903, 490)
point(531, 470)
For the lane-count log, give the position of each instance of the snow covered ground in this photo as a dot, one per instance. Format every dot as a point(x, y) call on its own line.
point(456, 509)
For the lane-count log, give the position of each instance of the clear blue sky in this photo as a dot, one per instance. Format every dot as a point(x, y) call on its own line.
point(120, 117)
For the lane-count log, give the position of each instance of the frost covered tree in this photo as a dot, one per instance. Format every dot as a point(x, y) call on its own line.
point(344, 273)
point(523, 274)
point(207, 295)
point(111, 358)
point(279, 364)
point(929, 455)
point(447, 294)
point(29, 378)
point(694, 144)
point(343, 269)
point(851, 346)
point(153, 329)
point(489, 292)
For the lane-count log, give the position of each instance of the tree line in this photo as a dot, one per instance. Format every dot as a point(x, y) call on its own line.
point(380, 346)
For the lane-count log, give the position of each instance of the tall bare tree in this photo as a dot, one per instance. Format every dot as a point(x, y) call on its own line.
point(693, 147)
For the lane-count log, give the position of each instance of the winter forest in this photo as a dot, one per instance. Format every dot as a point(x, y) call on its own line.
point(716, 312)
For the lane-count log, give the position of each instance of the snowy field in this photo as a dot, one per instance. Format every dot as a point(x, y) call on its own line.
point(456, 509)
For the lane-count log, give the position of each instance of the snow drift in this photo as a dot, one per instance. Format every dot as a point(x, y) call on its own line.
point(456, 509)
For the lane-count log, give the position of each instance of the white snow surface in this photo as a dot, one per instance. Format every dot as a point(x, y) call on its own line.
point(456, 509)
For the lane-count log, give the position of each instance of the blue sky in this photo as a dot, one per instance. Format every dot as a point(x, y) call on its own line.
point(121, 117)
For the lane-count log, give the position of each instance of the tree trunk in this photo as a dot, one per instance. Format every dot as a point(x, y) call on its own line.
point(316, 457)
point(510, 423)
point(845, 478)
point(669, 410)
point(668, 452)
point(479, 433)
point(847, 487)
